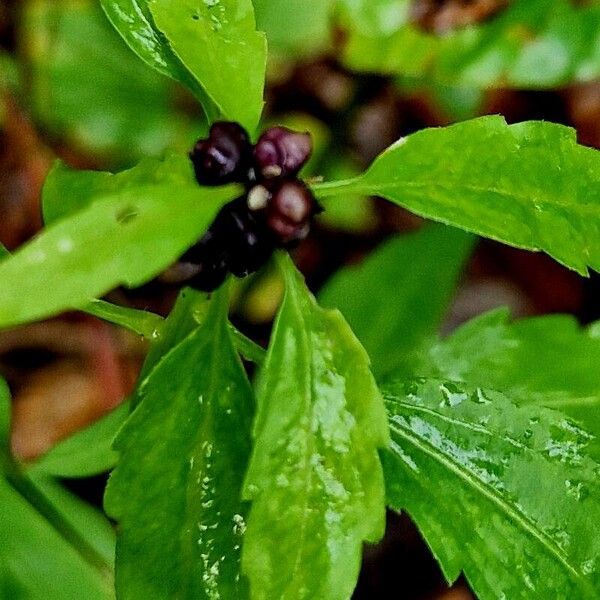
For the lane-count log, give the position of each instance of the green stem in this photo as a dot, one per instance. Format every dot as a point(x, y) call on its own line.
point(335, 188)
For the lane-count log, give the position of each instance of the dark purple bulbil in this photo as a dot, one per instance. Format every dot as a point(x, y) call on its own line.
point(290, 212)
point(281, 152)
point(224, 157)
point(276, 211)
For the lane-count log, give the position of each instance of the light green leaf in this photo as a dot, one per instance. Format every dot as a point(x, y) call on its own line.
point(92, 525)
point(548, 360)
point(412, 278)
point(134, 22)
point(525, 45)
point(218, 43)
point(143, 322)
point(126, 237)
point(297, 28)
point(5, 411)
point(41, 562)
point(87, 452)
point(529, 185)
point(86, 87)
point(68, 190)
point(509, 495)
point(314, 478)
point(176, 489)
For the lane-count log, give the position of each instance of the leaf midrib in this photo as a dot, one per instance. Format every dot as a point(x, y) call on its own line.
point(483, 489)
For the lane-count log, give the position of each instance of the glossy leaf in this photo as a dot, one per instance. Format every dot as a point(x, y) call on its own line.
point(509, 495)
point(524, 45)
point(297, 28)
point(176, 489)
point(126, 237)
point(314, 478)
point(413, 277)
point(134, 22)
point(87, 452)
point(548, 360)
point(87, 88)
point(218, 43)
point(529, 185)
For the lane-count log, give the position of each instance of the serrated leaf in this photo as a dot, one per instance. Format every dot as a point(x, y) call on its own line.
point(508, 494)
point(176, 489)
point(218, 43)
point(547, 360)
point(412, 276)
point(529, 185)
point(524, 46)
point(85, 85)
point(123, 237)
point(314, 478)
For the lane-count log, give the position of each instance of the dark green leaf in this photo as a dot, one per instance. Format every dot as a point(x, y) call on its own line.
point(412, 277)
point(176, 489)
point(125, 237)
point(87, 452)
point(548, 360)
point(529, 185)
point(508, 494)
point(315, 477)
point(218, 43)
point(85, 85)
point(525, 45)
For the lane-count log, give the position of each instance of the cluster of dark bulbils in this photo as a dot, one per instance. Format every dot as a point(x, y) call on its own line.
point(275, 211)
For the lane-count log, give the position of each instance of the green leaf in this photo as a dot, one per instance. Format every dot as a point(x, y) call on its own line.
point(176, 489)
point(68, 190)
point(507, 494)
point(298, 28)
point(524, 46)
point(314, 478)
point(92, 525)
point(134, 22)
point(43, 563)
point(85, 86)
point(5, 410)
point(126, 237)
point(413, 277)
point(87, 452)
point(143, 322)
point(529, 185)
point(547, 360)
point(218, 43)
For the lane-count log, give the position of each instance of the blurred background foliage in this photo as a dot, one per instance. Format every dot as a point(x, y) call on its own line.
point(357, 74)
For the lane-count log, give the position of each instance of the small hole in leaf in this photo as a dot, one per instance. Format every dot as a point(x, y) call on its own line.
point(126, 214)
